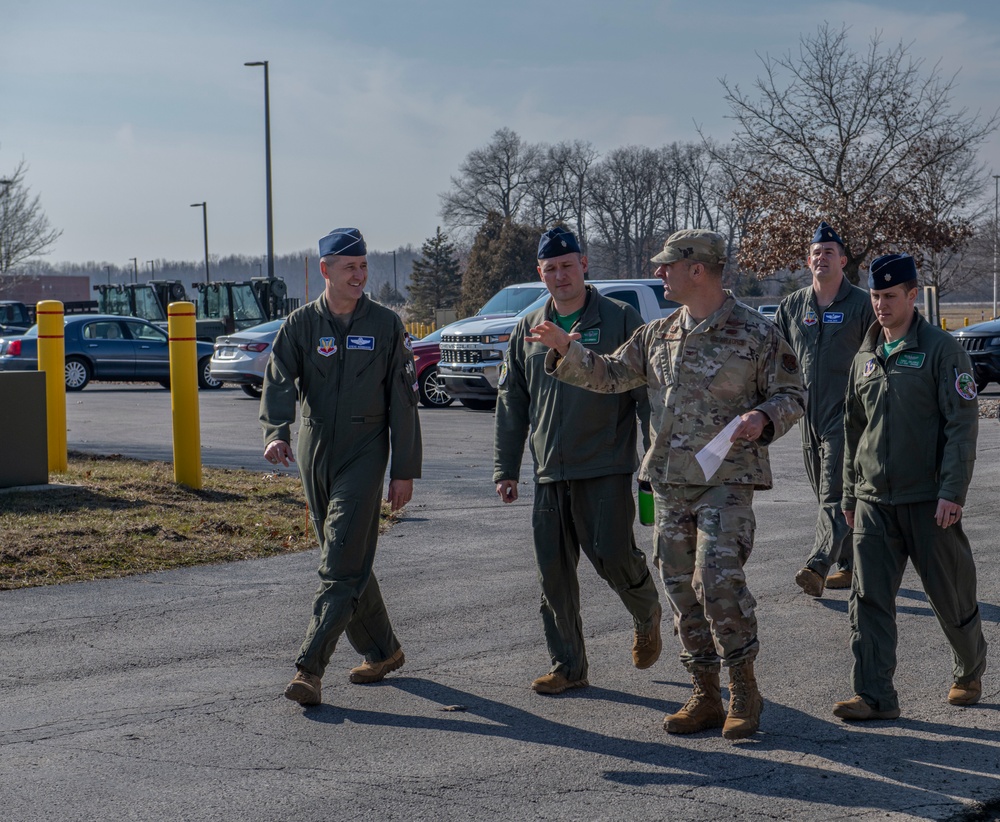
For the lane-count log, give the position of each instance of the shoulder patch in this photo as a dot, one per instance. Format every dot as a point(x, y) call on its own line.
point(965, 385)
point(503, 373)
point(869, 367)
point(789, 363)
point(810, 318)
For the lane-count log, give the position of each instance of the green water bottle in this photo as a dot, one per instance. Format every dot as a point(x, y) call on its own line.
point(646, 511)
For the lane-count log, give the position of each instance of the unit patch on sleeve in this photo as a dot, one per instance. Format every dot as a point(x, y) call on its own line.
point(869, 367)
point(911, 359)
point(965, 385)
point(327, 346)
point(355, 343)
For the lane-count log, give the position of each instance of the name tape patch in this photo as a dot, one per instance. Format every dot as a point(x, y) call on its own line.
point(833, 316)
point(355, 343)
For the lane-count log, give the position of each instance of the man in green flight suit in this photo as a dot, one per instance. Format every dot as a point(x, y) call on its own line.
point(584, 455)
point(348, 363)
point(722, 380)
point(825, 323)
point(911, 421)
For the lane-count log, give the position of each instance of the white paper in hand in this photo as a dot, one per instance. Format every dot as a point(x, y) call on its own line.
point(711, 456)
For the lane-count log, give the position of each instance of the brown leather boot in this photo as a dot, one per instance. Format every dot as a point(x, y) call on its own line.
point(702, 710)
point(745, 702)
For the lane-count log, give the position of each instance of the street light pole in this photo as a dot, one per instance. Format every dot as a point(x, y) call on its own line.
point(204, 222)
point(395, 285)
point(108, 269)
point(135, 269)
point(996, 231)
point(152, 268)
point(267, 166)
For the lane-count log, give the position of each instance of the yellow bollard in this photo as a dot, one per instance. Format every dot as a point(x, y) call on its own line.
point(184, 394)
point(52, 360)
point(966, 322)
point(944, 324)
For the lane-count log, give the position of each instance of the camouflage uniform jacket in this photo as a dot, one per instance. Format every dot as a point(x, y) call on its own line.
point(574, 433)
point(910, 434)
point(355, 390)
point(825, 341)
point(733, 362)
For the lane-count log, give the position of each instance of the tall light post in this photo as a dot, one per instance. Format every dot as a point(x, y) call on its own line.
point(135, 269)
point(3, 218)
point(395, 285)
point(996, 231)
point(267, 166)
point(204, 222)
point(152, 269)
point(108, 269)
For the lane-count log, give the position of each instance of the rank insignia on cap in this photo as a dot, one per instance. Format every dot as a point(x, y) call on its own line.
point(327, 346)
point(810, 318)
point(965, 385)
point(870, 367)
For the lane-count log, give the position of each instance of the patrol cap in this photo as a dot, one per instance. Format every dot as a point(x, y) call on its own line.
point(891, 269)
point(826, 234)
point(696, 244)
point(557, 241)
point(343, 242)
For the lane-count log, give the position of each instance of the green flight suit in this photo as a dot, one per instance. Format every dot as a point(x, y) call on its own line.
point(357, 390)
point(826, 341)
point(911, 423)
point(584, 450)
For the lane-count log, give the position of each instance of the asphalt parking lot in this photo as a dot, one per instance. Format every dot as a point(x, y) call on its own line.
point(159, 697)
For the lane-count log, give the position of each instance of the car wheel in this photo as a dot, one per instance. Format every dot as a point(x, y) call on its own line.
point(205, 378)
point(252, 391)
point(432, 390)
point(77, 374)
point(479, 405)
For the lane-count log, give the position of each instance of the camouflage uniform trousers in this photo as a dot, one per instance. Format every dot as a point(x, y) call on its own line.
point(703, 538)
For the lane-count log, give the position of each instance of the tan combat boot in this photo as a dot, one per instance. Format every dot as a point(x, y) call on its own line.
point(703, 709)
point(745, 702)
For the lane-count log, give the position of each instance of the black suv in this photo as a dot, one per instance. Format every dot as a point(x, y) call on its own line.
point(982, 342)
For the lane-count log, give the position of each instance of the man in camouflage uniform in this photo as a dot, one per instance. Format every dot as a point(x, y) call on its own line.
point(825, 323)
point(911, 421)
point(347, 361)
point(584, 453)
point(712, 363)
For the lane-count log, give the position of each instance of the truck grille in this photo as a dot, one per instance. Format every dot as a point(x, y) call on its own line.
point(973, 343)
point(458, 355)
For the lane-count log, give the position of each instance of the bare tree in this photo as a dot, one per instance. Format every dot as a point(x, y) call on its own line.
point(842, 136)
point(495, 178)
point(24, 229)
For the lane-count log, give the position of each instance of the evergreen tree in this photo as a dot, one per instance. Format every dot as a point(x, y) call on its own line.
point(436, 280)
point(503, 253)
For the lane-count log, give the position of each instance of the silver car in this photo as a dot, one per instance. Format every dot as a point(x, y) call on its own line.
point(242, 357)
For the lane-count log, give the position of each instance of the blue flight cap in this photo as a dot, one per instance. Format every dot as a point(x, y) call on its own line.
point(891, 269)
point(557, 241)
point(343, 242)
point(826, 234)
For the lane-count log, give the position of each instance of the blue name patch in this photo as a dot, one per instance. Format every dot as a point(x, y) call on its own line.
point(833, 316)
point(360, 343)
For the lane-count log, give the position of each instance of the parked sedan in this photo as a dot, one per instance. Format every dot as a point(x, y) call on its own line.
point(426, 354)
point(241, 358)
point(106, 347)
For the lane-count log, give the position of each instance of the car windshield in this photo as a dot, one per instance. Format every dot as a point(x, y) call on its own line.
point(264, 328)
point(511, 299)
point(538, 303)
point(434, 336)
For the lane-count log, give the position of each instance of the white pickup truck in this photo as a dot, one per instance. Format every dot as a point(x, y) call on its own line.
point(471, 352)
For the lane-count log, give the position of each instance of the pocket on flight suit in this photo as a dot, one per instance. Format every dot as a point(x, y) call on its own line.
point(869, 537)
point(340, 514)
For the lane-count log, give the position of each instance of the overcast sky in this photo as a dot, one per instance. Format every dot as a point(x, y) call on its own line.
point(127, 112)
